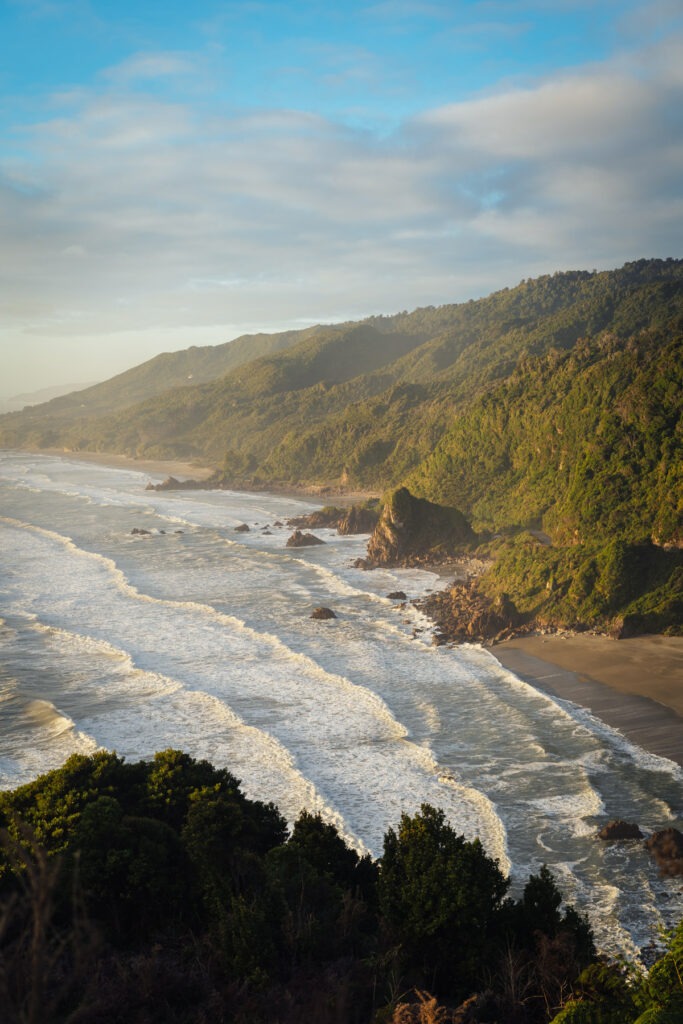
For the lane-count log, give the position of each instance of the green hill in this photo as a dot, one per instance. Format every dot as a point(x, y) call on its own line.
point(554, 404)
point(48, 422)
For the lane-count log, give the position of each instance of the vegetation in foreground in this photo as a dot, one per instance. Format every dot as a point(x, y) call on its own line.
point(157, 892)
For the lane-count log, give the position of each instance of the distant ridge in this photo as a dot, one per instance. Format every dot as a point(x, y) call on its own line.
point(15, 403)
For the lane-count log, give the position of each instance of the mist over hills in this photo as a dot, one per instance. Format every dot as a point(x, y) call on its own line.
point(555, 403)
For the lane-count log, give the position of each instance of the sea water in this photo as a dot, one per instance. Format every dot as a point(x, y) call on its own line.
point(198, 637)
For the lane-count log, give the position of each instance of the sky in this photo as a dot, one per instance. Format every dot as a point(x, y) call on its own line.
point(176, 174)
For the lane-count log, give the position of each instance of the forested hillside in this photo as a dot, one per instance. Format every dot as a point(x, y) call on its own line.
point(555, 405)
point(186, 368)
point(367, 404)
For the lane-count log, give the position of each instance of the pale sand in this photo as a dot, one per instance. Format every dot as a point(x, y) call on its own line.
point(157, 467)
point(635, 685)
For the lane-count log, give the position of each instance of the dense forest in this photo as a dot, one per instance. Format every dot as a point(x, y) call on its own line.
point(552, 407)
point(156, 891)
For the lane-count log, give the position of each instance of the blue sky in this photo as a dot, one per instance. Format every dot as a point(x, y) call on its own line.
point(175, 174)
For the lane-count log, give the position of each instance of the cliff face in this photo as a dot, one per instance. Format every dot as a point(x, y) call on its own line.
point(412, 531)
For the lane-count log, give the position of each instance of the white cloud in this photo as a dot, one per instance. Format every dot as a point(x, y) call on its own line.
point(134, 215)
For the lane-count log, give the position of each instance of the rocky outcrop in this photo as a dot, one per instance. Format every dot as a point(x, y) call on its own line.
point(397, 595)
point(356, 519)
point(138, 531)
point(303, 540)
point(242, 528)
point(666, 846)
point(463, 614)
point(618, 829)
point(413, 531)
point(323, 613)
point(171, 484)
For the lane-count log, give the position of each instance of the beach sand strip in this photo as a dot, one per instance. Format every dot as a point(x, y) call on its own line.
point(634, 685)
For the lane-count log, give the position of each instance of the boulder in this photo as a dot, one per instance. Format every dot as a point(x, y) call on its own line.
point(397, 595)
point(303, 540)
point(323, 613)
point(242, 528)
point(140, 532)
point(666, 846)
point(618, 829)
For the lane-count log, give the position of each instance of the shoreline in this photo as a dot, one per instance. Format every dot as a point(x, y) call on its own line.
point(188, 470)
point(169, 467)
point(633, 685)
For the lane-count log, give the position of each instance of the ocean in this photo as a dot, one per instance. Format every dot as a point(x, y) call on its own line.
point(197, 637)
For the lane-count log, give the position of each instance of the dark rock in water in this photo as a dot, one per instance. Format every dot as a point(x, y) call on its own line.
point(169, 484)
point(303, 540)
point(397, 595)
point(179, 531)
point(278, 523)
point(666, 846)
point(327, 517)
point(356, 519)
point(323, 613)
point(412, 531)
point(619, 829)
point(140, 532)
point(242, 528)
point(465, 615)
point(267, 533)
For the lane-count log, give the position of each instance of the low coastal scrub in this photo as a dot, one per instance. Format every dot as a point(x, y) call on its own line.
point(620, 588)
point(157, 892)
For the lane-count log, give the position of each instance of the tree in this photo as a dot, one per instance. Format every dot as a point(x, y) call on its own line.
point(441, 899)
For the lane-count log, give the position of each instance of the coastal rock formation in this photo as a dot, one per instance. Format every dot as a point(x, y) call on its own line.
point(242, 528)
point(618, 829)
point(413, 531)
point(171, 484)
point(140, 532)
point(666, 846)
point(356, 519)
point(463, 614)
point(303, 540)
point(323, 613)
point(397, 595)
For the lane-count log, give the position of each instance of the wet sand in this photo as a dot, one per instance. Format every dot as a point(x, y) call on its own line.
point(634, 685)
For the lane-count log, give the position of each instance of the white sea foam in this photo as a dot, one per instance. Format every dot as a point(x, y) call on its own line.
point(202, 640)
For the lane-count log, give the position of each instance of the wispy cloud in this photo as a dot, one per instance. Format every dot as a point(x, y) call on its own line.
point(131, 212)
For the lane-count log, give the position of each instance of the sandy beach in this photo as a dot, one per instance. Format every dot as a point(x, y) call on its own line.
point(634, 685)
point(157, 467)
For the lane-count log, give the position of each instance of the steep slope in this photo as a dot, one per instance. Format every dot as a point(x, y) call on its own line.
point(376, 440)
point(583, 443)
